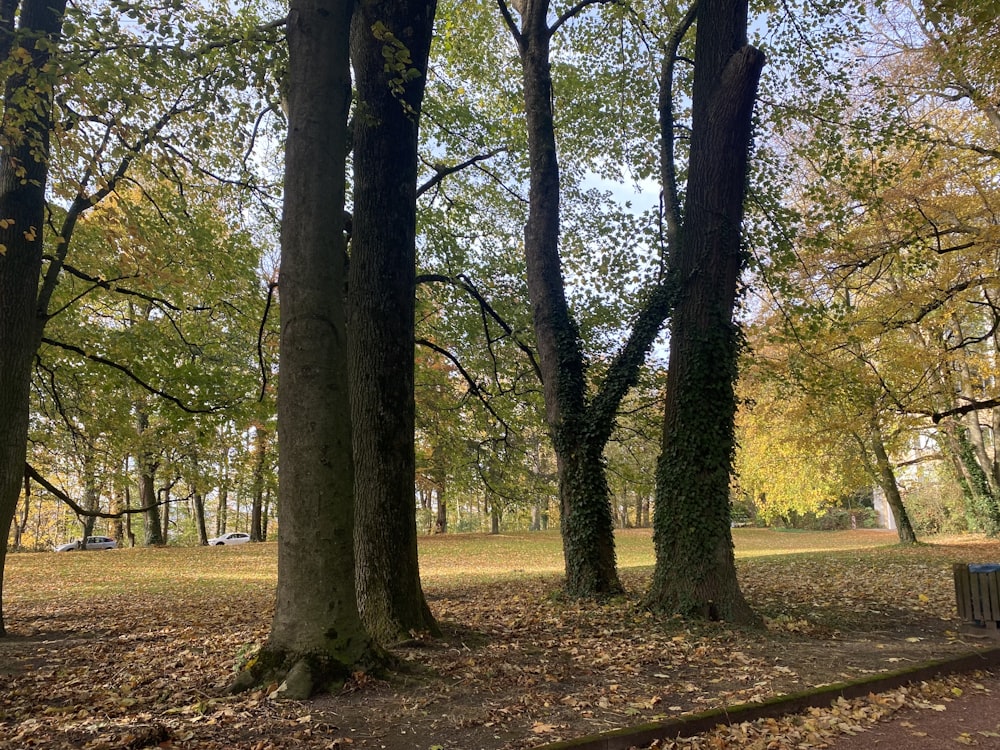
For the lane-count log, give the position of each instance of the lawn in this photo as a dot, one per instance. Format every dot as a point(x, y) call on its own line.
point(120, 648)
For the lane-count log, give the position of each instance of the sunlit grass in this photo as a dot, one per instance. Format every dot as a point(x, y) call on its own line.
point(447, 560)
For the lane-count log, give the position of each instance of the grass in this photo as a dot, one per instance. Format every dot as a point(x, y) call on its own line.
point(135, 639)
point(447, 560)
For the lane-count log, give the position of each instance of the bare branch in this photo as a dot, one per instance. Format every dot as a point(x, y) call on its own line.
point(473, 385)
point(463, 282)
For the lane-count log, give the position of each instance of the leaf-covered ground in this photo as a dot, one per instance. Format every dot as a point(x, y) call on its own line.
point(133, 648)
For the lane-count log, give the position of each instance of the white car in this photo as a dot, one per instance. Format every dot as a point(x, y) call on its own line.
point(233, 537)
point(93, 542)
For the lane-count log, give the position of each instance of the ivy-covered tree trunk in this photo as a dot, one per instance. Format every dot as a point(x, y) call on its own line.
point(317, 639)
point(32, 26)
point(390, 43)
point(695, 572)
point(586, 520)
point(886, 478)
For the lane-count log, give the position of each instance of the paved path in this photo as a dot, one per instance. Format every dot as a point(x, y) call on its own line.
point(970, 720)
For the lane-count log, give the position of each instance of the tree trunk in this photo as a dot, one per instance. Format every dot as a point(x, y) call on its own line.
point(23, 177)
point(260, 456)
point(147, 499)
point(390, 43)
point(163, 498)
point(91, 497)
point(266, 514)
point(441, 525)
point(494, 510)
point(223, 507)
point(695, 570)
point(21, 524)
point(586, 519)
point(579, 427)
point(317, 639)
point(887, 481)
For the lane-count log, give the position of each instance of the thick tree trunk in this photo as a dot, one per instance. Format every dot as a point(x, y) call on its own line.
point(317, 638)
point(147, 499)
point(887, 481)
point(695, 571)
point(23, 177)
point(390, 43)
point(199, 518)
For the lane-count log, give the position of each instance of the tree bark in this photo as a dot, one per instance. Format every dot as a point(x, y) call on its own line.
point(222, 511)
point(163, 498)
point(23, 177)
point(390, 44)
point(695, 572)
point(887, 481)
point(317, 639)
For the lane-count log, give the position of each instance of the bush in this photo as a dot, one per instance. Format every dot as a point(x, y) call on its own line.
point(834, 519)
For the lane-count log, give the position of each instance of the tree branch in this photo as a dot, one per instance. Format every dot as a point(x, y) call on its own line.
point(440, 172)
point(473, 385)
point(463, 282)
point(132, 376)
point(31, 473)
point(668, 165)
point(575, 11)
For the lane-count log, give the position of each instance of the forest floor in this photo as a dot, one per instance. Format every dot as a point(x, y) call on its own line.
point(133, 648)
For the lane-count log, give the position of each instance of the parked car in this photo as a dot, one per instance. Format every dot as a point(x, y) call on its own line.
point(233, 537)
point(93, 542)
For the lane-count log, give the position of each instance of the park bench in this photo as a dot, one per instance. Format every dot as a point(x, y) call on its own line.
point(977, 593)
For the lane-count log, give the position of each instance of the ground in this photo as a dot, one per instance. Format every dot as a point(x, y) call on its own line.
point(146, 664)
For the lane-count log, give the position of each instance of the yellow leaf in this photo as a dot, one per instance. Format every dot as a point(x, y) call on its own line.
point(3, 249)
point(542, 728)
point(924, 598)
point(6, 223)
point(30, 235)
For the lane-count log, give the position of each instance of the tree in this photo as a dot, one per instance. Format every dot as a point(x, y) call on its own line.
point(98, 135)
point(390, 44)
point(317, 637)
point(695, 570)
point(580, 424)
point(25, 51)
